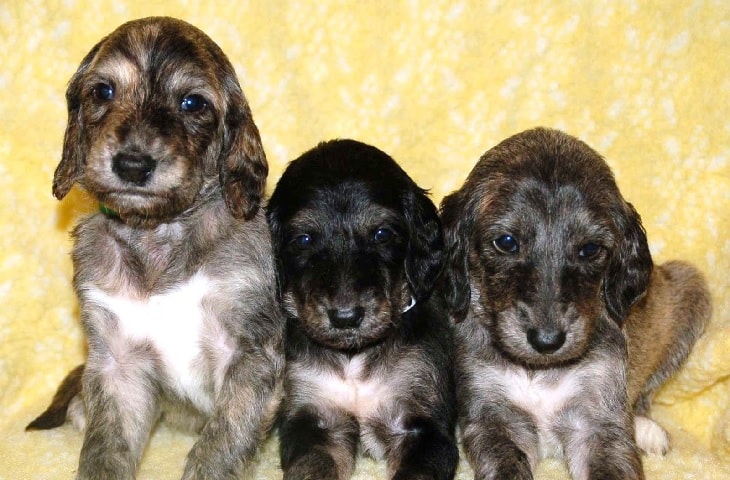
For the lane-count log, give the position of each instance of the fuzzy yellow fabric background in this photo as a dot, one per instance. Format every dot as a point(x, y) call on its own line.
point(433, 83)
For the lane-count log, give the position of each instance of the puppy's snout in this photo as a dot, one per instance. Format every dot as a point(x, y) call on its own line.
point(132, 168)
point(346, 318)
point(546, 340)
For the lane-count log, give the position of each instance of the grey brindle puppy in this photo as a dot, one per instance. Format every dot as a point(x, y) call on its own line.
point(174, 276)
point(565, 327)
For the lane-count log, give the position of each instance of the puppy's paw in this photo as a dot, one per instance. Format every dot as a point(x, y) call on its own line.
point(651, 437)
point(316, 465)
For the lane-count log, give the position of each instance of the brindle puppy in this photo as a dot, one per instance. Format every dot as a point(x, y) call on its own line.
point(174, 276)
point(550, 277)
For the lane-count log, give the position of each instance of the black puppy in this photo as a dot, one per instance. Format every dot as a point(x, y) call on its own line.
point(358, 247)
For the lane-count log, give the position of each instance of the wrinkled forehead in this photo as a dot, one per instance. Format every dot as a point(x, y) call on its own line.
point(159, 55)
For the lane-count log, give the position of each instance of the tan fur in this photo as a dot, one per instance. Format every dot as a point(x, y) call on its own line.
point(663, 326)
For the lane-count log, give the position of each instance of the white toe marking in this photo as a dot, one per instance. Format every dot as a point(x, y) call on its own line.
point(650, 436)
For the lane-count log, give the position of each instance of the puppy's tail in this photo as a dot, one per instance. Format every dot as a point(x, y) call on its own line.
point(55, 414)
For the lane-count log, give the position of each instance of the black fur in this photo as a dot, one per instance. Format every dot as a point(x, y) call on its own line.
point(373, 245)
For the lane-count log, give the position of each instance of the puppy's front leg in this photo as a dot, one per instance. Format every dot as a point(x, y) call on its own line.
point(245, 408)
point(318, 445)
point(426, 452)
point(492, 437)
point(121, 408)
point(604, 449)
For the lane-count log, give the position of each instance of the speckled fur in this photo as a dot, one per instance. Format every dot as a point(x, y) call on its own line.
point(543, 245)
point(175, 287)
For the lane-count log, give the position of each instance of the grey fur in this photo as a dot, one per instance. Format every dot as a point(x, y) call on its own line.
point(179, 228)
point(550, 282)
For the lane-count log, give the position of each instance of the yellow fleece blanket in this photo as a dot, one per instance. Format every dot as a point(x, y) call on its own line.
point(433, 83)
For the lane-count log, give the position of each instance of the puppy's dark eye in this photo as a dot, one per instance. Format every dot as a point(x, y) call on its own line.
point(383, 235)
point(303, 241)
point(506, 244)
point(103, 91)
point(193, 103)
point(589, 250)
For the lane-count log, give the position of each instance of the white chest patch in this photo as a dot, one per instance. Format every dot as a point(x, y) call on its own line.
point(369, 399)
point(361, 397)
point(538, 397)
point(544, 400)
point(172, 323)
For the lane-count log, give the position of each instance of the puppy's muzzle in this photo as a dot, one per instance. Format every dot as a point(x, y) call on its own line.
point(546, 339)
point(133, 168)
point(346, 317)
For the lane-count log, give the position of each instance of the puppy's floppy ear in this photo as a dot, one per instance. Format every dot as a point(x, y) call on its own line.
point(242, 164)
point(71, 166)
point(630, 267)
point(277, 239)
point(425, 245)
point(458, 225)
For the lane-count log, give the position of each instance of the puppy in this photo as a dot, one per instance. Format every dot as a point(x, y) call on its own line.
point(174, 274)
point(358, 247)
point(564, 328)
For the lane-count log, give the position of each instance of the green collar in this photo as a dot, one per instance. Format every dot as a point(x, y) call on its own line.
point(108, 211)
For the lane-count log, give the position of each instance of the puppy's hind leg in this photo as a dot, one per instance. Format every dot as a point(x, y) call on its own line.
point(318, 445)
point(688, 298)
point(661, 331)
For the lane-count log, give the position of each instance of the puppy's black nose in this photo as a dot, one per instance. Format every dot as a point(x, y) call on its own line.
point(134, 169)
point(346, 318)
point(546, 340)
